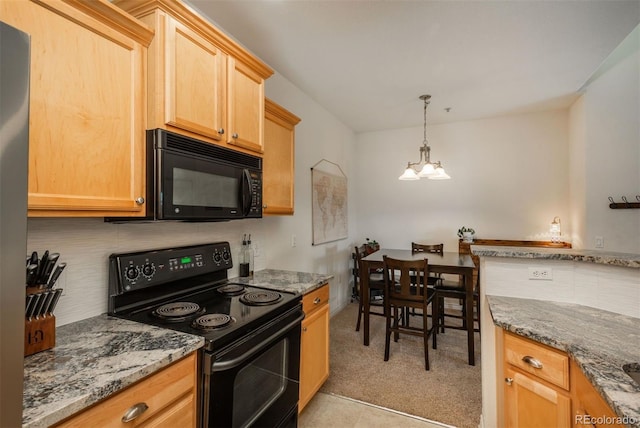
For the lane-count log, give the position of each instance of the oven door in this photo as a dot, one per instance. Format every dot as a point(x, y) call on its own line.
point(255, 381)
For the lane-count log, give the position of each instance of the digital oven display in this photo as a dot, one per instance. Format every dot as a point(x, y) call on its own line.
point(185, 260)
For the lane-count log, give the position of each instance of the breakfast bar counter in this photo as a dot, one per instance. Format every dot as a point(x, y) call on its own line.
point(600, 342)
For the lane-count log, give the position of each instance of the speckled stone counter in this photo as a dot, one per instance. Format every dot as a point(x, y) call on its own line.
point(600, 342)
point(284, 280)
point(93, 359)
point(589, 256)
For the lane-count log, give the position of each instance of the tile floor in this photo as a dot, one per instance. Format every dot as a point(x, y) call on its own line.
point(327, 410)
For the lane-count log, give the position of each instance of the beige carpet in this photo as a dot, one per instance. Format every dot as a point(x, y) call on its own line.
point(450, 392)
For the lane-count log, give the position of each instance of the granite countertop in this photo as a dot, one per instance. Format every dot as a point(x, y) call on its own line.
point(93, 359)
point(97, 357)
point(600, 342)
point(284, 280)
point(590, 256)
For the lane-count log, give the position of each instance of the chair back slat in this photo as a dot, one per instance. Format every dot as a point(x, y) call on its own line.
point(427, 248)
point(404, 279)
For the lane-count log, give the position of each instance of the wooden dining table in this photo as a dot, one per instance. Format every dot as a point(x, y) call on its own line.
point(447, 262)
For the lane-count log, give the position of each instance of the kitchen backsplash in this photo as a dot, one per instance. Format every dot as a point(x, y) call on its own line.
point(85, 245)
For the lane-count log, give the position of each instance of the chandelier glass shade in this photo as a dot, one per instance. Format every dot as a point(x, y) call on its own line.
point(424, 168)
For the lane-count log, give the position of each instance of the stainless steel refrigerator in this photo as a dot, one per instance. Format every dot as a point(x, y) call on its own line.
point(14, 160)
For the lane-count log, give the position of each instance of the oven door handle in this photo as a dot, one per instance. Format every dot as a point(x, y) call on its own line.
point(234, 362)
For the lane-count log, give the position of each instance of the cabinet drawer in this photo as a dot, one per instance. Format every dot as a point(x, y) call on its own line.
point(169, 395)
point(315, 299)
point(552, 365)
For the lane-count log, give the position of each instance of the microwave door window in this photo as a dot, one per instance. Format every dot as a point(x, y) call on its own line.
point(206, 190)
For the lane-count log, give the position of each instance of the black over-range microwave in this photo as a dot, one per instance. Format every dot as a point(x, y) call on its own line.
point(192, 180)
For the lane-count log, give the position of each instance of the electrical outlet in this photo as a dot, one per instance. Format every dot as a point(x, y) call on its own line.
point(599, 242)
point(544, 273)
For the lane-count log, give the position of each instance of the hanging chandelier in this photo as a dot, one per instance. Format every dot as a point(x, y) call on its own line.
point(424, 168)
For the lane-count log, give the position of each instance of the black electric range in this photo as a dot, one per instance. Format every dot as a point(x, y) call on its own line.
point(187, 289)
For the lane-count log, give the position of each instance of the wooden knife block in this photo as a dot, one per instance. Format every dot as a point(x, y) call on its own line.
point(39, 334)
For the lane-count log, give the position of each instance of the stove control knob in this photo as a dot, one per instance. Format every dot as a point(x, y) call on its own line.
point(225, 255)
point(148, 270)
point(132, 273)
point(217, 257)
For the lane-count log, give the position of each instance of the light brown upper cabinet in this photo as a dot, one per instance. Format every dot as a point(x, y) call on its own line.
point(201, 83)
point(278, 165)
point(87, 102)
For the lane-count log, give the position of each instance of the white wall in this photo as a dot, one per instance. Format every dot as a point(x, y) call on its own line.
point(605, 153)
point(509, 180)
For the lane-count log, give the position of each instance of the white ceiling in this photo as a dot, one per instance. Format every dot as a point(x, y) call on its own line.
point(368, 61)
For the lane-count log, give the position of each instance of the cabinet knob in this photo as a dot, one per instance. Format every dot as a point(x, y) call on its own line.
point(316, 300)
point(264, 207)
point(234, 135)
point(140, 200)
point(221, 131)
point(304, 328)
point(134, 411)
point(533, 362)
point(508, 380)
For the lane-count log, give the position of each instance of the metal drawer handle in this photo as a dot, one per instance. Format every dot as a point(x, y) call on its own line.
point(316, 300)
point(536, 364)
point(134, 411)
point(508, 380)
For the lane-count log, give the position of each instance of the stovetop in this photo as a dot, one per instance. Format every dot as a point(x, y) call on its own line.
point(186, 289)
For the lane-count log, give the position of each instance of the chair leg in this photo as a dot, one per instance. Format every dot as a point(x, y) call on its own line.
point(441, 313)
point(387, 338)
point(359, 314)
point(396, 321)
point(435, 313)
point(425, 342)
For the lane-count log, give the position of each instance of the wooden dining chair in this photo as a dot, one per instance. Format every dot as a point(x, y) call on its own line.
point(376, 287)
point(403, 293)
point(434, 278)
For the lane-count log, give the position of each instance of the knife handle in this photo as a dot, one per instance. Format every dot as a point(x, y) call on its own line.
point(51, 263)
point(54, 302)
point(56, 274)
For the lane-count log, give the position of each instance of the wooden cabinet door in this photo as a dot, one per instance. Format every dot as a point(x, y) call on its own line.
point(589, 408)
point(169, 396)
point(278, 160)
point(314, 352)
point(87, 103)
point(195, 82)
point(245, 107)
point(531, 403)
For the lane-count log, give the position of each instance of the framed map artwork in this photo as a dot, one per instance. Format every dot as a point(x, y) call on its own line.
point(329, 204)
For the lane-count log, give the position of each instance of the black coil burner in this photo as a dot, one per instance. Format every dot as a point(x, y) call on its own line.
point(260, 298)
point(213, 321)
point(231, 289)
point(177, 311)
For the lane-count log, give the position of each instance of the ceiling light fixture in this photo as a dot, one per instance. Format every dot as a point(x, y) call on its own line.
point(424, 168)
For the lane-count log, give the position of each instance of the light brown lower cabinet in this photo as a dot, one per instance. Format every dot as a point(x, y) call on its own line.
point(314, 344)
point(544, 388)
point(590, 409)
point(169, 396)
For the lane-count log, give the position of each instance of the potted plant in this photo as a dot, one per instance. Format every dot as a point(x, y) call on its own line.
point(371, 246)
point(466, 233)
